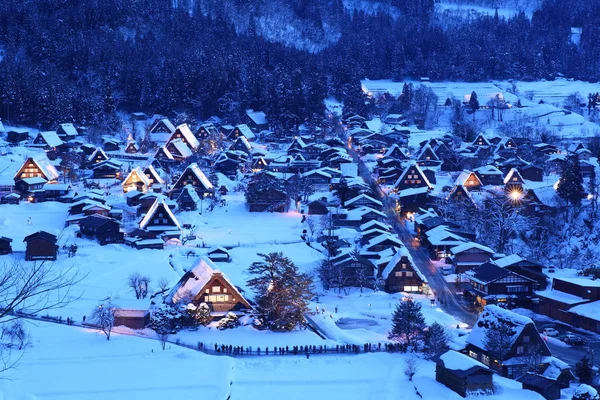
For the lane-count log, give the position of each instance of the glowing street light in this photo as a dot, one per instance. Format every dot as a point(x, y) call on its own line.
point(515, 195)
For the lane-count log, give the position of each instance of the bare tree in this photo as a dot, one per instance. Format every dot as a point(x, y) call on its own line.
point(411, 367)
point(313, 225)
point(163, 284)
point(139, 283)
point(163, 337)
point(28, 288)
point(534, 356)
point(104, 316)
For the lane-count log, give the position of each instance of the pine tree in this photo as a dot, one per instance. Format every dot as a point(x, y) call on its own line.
point(498, 339)
point(583, 370)
point(282, 292)
point(570, 185)
point(435, 339)
point(474, 103)
point(408, 323)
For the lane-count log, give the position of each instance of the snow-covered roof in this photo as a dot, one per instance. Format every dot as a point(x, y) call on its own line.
point(489, 170)
point(470, 245)
point(244, 141)
point(456, 361)
point(191, 192)
point(246, 131)
point(464, 176)
point(401, 252)
point(196, 279)
point(363, 196)
point(413, 164)
point(316, 172)
point(357, 213)
point(374, 223)
point(513, 173)
point(98, 150)
point(555, 367)
point(51, 138)
point(562, 297)
point(491, 316)
point(588, 310)
point(144, 222)
point(182, 148)
point(34, 180)
point(508, 260)
point(439, 236)
point(185, 130)
point(258, 117)
point(56, 186)
point(138, 171)
point(45, 166)
point(155, 175)
point(195, 168)
point(166, 152)
point(426, 148)
point(412, 191)
point(69, 129)
point(585, 282)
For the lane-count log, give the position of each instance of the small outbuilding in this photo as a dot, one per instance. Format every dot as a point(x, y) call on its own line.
point(41, 246)
point(463, 374)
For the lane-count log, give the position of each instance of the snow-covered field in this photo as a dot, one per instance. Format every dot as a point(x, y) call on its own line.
point(72, 363)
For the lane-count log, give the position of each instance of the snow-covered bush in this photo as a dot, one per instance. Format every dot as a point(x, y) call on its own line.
point(229, 322)
point(201, 314)
point(585, 392)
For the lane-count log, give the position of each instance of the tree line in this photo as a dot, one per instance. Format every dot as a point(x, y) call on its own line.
point(83, 61)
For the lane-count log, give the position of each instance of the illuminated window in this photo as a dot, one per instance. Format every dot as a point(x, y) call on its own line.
point(472, 354)
point(485, 359)
point(409, 274)
point(216, 289)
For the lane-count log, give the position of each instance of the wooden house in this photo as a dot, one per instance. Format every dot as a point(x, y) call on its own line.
point(428, 157)
point(176, 150)
point(133, 198)
point(469, 180)
point(161, 131)
point(163, 155)
point(110, 144)
point(184, 134)
point(188, 199)
point(481, 140)
point(37, 166)
point(363, 200)
point(241, 144)
point(54, 191)
point(5, 245)
point(354, 270)
point(524, 267)
point(204, 283)
point(317, 207)
point(532, 173)
point(132, 147)
point(106, 230)
point(468, 255)
point(268, 199)
point(412, 188)
point(548, 388)
point(317, 178)
point(67, 132)
point(97, 157)
point(206, 131)
point(133, 319)
point(513, 181)
point(153, 175)
point(297, 146)
point(41, 246)
point(136, 180)
point(463, 374)
point(401, 275)
point(194, 177)
point(491, 284)
point(241, 130)
point(160, 218)
point(489, 175)
point(257, 120)
point(460, 194)
point(523, 337)
point(219, 254)
point(227, 165)
point(15, 137)
point(107, 170)
point(48, 140)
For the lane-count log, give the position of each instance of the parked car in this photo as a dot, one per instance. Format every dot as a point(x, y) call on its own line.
point(572, 339)
point(447, 270)
point(550, 332)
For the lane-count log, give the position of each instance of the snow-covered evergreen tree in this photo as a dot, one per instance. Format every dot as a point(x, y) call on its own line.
point(230, 321)
point(408, 323)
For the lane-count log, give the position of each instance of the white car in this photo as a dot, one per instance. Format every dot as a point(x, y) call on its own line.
point(550, 332)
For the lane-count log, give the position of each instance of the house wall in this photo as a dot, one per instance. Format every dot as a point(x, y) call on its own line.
point(586, 292)
point(40, 249)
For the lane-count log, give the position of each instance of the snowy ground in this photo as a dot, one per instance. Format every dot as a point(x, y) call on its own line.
point(85, 366)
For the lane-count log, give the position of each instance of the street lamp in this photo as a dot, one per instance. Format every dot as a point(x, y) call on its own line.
point(201, 200)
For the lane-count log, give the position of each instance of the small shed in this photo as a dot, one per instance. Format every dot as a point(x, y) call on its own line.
point(463, 374)
point(134, 319)
point(5, 245)
point(41, 246)
point(549, 388)
point(219, 254)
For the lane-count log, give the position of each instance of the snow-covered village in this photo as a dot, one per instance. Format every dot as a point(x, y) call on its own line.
point(420, 224)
